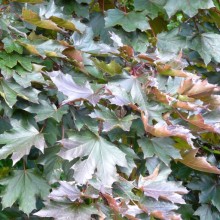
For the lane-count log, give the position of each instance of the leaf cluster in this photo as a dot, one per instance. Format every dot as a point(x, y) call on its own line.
point(109, 109)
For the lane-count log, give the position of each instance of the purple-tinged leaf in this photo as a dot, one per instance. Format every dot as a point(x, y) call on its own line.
point(157, 186)
point(74, 92)
point(65, 191)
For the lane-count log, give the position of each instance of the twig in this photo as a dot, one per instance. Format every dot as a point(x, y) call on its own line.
point(17, 31)
point(63, 130)
point(44, 125)
point(195, 24)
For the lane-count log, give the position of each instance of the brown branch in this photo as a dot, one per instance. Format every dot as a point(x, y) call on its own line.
point(215, 10)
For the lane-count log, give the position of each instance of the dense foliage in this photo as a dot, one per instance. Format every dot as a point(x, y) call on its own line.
point(110, 109)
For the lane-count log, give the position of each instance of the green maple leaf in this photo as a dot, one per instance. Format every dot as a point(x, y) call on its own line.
point(210, 190)
point(171, 42)
point(24, 186)
point(130, 156)
point(9, 95)
point(85, 42)
point(127, 90)
point(10, 46)
point(138, 95)
point(63, 211)
point(208, 46)
point(52, 164)
point(123, 188)
point(129, 21)
point(10, 90)
point(82, 119)
point(205, 213)
point(151, 7)
point(11, 60)
point(133, 86)
point(51, 132)
point(45, 110)
point(19, 140)
point(189, 7)
point(25, 78)
point(158, 208)
point(111, 120)
point(99, 155)
point(161, 147)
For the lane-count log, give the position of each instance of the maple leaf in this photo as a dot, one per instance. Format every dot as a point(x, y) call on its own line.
point(43, 47)
point(198, 163)
point(120, 208)
point(131, 85)
point(19, 140)
point(86, 43)
point(111, 120)
point(123, 188)
point(74, 92)
point(196, 88)
point(63, 211)
point(205, 212)
point(135, 84)
point(10, 91)
point(101, 155)
point(161, 129)
point(82, 119)
point(171, 42)
point(207, 46)
point(117, 17)
point(111, 68)
point(76, 56)
point(26, 186)
point(45, 110)
point(65, 191)
point(52, 162)
point(161, 147)
point(151, 7)
point(189, 7)
point(120, 95)
point(10, 46)
point(11, 60)
point(199, 121)
point(210, 190)
point(33, 18)
point(158, 209)
point(157, 186)
point(168, 70)
point(171, 101)
point(130, 157)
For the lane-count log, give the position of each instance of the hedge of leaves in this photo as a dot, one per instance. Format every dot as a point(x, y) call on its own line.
point(110, 109)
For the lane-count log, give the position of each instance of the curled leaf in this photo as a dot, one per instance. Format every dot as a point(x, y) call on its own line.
point(198, 163)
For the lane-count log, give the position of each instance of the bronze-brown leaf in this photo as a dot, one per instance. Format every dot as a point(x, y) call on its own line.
point(198, 163)
point(197, 88)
